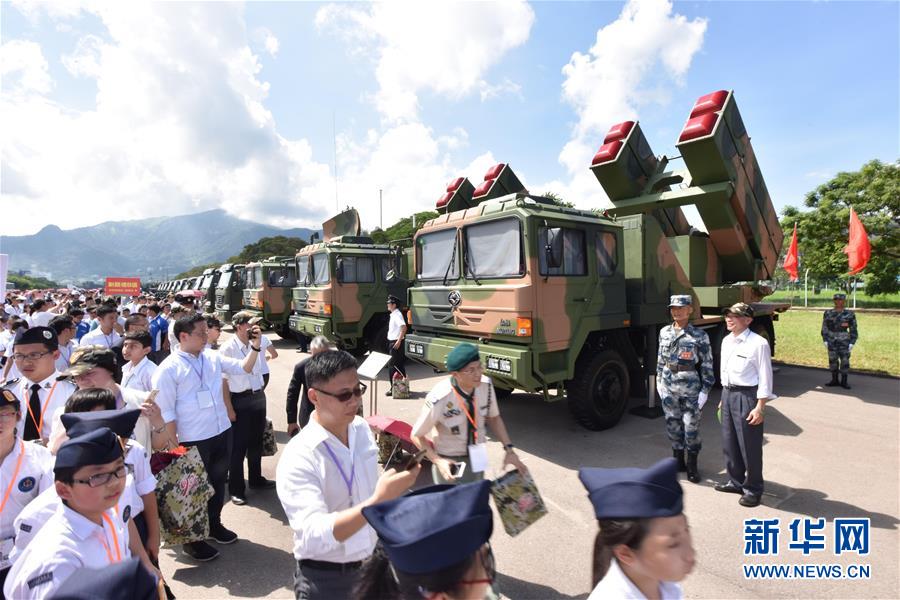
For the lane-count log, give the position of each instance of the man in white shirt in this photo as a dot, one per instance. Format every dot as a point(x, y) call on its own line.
point(105, 334)
point(190, 397)
point(746, 375)
point(65, 330)
point(138, 371)
point(248, 401)
point(396, 333)
point(326, 475)
point(14, 308)
point(41, 315)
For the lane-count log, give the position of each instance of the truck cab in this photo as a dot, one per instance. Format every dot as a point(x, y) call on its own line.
point(267, 291)
point(207, 285)
point(343, 284)
point(229, 291)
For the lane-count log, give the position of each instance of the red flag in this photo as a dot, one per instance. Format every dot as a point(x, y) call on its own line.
point(792, 260)
point(858, 249)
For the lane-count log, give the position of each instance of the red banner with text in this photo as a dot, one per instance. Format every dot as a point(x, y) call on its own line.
point(122, 286)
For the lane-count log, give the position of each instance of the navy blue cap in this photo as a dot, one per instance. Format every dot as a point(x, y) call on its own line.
point(120, 422)
point(98, 447)
point(634, 493)
point(39, 335)
point(125, 580)
point(433, 528)
point(8, 398)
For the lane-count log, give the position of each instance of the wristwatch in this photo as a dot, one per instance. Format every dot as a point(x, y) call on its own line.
point(254, 349)
point(508, 447)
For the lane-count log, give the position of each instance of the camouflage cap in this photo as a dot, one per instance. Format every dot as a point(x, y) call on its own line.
point(86, 358)
point(245, 317)
point(680, 300)
point(462, 355)
point(839, 296)
point(741, 309)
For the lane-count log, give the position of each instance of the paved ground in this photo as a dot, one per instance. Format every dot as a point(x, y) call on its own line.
point(828, 453)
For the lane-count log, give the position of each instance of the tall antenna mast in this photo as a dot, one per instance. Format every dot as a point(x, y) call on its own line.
point(334, 144)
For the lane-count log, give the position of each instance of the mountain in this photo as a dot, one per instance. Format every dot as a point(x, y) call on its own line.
point(146, 248)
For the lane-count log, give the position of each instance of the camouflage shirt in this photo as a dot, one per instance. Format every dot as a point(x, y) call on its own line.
point(680, 351)
point(839, 325)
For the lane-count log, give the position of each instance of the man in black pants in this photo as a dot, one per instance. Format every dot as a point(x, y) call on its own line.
point(248, 402)
point(395, 335)
point(190, 398)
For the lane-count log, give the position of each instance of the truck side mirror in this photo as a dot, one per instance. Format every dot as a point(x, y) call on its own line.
point(339, 270)
point(553, 249)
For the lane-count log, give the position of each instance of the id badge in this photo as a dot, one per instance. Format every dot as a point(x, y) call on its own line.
point(6, 547)
point(478, 458)
point(204, 399)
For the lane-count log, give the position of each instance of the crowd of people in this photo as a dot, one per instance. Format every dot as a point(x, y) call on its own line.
point(92, 387)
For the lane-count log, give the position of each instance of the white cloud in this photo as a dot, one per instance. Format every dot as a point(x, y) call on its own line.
point(633, 62)
point(23, 68)
point(263, 36)
point(441, 47)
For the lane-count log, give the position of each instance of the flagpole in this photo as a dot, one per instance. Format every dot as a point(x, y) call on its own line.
point(855, 279)
point(806, 289)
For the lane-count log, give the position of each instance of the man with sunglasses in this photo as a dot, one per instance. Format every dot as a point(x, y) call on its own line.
point(459, 407)
point(326, 475)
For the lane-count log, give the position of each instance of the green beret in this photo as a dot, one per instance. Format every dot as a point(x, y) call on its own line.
point(462, 355)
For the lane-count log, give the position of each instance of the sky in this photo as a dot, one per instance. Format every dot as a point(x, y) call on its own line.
point(286, 112)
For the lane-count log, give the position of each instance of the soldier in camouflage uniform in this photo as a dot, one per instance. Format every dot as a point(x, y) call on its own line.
point(839, 334)
point(681, 386)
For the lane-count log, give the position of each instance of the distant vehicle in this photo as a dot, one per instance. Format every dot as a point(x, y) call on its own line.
point(267, 292)
point(206, 283)
point(229, 291)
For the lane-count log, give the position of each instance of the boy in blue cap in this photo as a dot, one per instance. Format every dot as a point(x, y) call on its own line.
point(437, 542)
point(644, 545)
point(85, 531)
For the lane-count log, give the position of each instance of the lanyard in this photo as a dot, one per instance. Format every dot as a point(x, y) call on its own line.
point(194, 369)
point(347, 480)
point(115, 537)
point(14, 476)
point(469, 416)
point(40, 425)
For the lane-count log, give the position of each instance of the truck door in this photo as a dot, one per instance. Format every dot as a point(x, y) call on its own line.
point(563, 286)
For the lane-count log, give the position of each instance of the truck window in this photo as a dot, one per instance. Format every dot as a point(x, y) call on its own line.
point(493, 249)
point(320, 272)
point(224, 280)
point(282, 277)
point(566, 249)
point(357, 269)
point(605, 242)
point(257, 281)
point(436, 255)
point(303, 270)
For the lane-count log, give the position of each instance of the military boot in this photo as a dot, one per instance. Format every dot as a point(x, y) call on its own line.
point(693, 474)
point(834, 379)
point(844, 383)
point(679, 456)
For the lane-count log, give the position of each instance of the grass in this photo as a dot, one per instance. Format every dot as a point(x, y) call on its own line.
point(799, 342)
point(823, 299)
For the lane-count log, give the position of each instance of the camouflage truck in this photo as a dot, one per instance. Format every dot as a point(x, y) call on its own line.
point(207, 285)
point(229, 291)
point(343, 283)
point(568, 302)
point(267, 292)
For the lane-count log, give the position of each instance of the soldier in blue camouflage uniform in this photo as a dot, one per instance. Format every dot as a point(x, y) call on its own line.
point(839, 334)
point(682, 387)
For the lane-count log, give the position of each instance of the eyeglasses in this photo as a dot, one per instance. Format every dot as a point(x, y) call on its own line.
point(33, 356)
point(104, 478)
point(490, 570)
point(358, 392)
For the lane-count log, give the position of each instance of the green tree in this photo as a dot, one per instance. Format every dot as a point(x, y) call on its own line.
point(278, 245)
point(193, 272)
point(27, 282)
point(874, 193)
point(402, 231)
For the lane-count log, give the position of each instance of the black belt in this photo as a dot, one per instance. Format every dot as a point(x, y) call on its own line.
point(330, 566)
point(675, 368)
point(740, 387)
point(245, 392)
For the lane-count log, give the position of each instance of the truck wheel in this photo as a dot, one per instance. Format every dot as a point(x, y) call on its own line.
point(503, 393)
point(598, 394)
point(764, 328)
point(377, 342)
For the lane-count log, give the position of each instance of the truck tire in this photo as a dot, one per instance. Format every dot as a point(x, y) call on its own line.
point(763, 327)
point(598, 394)
point(377, 339)
point(502, 392)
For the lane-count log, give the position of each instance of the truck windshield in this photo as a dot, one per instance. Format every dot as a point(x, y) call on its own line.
point(303, 270)
point(224, 280)
point(204, 285)
point(436, 257)
point(493, 249)
point(282, 277)
point(320, 274)
point(256, 280)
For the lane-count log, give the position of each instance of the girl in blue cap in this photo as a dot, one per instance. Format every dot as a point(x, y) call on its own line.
point(643, 548)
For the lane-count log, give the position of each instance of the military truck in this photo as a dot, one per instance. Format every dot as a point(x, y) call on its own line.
point(206, 283)
point(229, 291)
point(568, 302)
point(343, 283)
point(267, 292)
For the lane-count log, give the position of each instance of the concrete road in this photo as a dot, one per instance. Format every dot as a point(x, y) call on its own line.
point(829, 454)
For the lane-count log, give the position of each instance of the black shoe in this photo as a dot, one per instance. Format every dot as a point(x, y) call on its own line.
point(388, 393)
point(222, 535)
point(749, 500)
point(200, 551)
point(238, 499)
point(844, 382)
point(679, 456)
point(834, 380)
point(693, 473)
point(728, 488)
point(262, 484)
